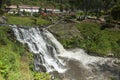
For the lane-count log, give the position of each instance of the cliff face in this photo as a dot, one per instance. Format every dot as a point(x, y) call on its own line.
point(66, 33)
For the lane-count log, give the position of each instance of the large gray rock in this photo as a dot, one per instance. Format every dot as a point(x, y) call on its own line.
point(3, 20)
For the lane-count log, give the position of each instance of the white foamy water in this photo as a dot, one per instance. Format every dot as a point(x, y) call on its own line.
point(84, 58)
point(45, 52)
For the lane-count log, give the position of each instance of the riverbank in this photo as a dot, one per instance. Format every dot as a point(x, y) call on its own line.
point(89, 36)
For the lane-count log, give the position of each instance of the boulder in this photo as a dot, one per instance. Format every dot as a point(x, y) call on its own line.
point(3, 20)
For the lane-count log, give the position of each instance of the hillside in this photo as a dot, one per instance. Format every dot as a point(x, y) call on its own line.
point(88, 36)
point(12, 66)
point(40, 3)
point(16, 62)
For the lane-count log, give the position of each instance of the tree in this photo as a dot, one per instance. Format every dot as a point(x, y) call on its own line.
point(40, 10)
point(61, 8)
point(1, 1)
point(115, 12)
point(2, 5)
point(107, 4)
point(7, 2)
point(18, 10)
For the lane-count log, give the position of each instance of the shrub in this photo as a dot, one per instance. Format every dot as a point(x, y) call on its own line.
point(42, 76)
point(36, 14)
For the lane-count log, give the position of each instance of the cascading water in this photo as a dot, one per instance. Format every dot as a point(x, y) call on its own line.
point(45, 52)
point(49, 56)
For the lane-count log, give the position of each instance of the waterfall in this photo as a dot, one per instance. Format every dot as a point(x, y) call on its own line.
point(49, 56)
point(44, 46)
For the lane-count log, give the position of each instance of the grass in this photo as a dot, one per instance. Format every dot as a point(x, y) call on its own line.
point(27, 21)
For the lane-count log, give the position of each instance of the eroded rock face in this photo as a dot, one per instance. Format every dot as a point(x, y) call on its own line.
point(65, 30)
point(3, 20)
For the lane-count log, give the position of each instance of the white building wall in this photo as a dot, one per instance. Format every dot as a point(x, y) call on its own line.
point(30, 10)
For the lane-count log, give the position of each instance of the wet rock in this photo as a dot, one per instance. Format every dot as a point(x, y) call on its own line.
point(42, 68)
point(116, 61)
point(55, 75)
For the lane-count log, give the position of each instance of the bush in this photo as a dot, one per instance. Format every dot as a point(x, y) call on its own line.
point(10, 59)
point(42, 76)
point(71, 16)
point(36, 14)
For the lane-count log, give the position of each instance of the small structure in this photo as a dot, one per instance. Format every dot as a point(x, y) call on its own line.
point(14, 8)
point(29, 8)
point(53, 10)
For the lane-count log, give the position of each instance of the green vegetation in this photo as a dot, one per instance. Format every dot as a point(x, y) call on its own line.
point(115, 12)
point(41, 3)
point(103, 42)
point(85, 5)
point(90, 37)
point(10, 51)
point(16, 62)
point(42, 76)
point(27, 21)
